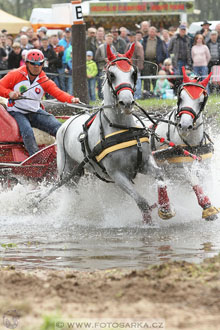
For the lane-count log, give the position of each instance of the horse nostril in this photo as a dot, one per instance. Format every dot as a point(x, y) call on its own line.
point(126, 104)
point(190, 127)
point(179, 125)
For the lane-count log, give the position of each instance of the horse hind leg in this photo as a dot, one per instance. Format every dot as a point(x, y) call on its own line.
point(66, 166)
point(209, 212)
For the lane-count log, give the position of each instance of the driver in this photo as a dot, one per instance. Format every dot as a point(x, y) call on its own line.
point(31, 81)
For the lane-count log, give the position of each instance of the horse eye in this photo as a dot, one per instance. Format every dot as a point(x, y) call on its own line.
point(112, 76)
point(134, 75)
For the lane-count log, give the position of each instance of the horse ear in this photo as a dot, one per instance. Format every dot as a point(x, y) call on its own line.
point(206, 80)
point(130, 52)
point(110, 55)
point(185, 77)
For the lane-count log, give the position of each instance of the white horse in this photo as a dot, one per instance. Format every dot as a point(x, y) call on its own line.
point(185, 139)
point(113, 146)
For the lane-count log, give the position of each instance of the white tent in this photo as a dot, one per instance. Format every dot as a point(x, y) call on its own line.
point(12, 23)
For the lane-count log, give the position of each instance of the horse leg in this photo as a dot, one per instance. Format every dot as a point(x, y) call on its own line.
point(209, 212)
point(165, 211)
point(65, 166)
point(126, 185)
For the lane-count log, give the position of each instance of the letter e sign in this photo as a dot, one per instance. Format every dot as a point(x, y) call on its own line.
point(77, 12)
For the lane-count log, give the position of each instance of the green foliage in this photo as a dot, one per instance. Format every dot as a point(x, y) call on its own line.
point(49, 322)
point(9, 245)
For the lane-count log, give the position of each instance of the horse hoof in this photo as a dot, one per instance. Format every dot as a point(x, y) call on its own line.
point(165, 214)
point(210, 213)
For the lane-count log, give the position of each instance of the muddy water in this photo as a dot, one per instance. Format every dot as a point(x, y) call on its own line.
point(102, 228)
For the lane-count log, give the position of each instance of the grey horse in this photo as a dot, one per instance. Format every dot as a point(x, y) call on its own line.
point(184, 129)
point(110, 144)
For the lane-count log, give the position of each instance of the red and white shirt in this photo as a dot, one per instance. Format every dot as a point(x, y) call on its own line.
point(18, 80)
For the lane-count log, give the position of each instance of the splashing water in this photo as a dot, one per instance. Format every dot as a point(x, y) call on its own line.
point(101, 227)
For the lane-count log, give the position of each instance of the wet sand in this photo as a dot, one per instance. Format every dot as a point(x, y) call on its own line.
point(184, 295)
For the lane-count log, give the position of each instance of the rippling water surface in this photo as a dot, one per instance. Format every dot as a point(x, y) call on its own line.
point(101, 227)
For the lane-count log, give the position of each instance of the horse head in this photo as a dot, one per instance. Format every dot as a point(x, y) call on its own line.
point(121, 78)
point(192, 97)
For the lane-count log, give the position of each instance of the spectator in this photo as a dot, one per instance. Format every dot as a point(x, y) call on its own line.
point(139, 36)
point(162, 85)
point(91, 72)
point(36, 43)
point(22, 32)
point(24, 42)
point(4, 43)
point(217, 28)
point(145, 28)
point(42, 32)
point(65, 42)
point(118, 42)
point(59, 50)
point(60, 34)
point(138, 60)
point(168, 68)
point(124, 34)
point(180, 50)
point(3, 58)
point(9, 42)
point(30, 34)
point(101, 60)
point(154, 55)
point(100, 37)
point(172, 31)
point(14, 56)
point(200, 56)
point(4, 31)
point(23, 56)
point(91, 40)
point(68, 70)
point(214, 48)
point(50, 57)
point(166, 38)
point(205, 31)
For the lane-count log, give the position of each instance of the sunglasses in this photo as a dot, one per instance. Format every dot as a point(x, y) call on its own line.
point(36, 63)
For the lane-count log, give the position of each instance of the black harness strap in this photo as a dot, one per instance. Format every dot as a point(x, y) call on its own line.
point(131, 133)
point(113, 140)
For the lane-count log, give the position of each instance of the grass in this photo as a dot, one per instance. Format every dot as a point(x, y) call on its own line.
point(49, 322)
point(211, 109)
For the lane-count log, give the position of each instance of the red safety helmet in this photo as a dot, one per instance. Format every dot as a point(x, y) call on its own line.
point(35, 56)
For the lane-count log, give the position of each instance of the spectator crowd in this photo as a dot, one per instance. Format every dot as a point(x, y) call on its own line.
point(157, 52)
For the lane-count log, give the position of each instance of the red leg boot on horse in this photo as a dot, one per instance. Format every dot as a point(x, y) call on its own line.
point(209, 212)
point(164, 211)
